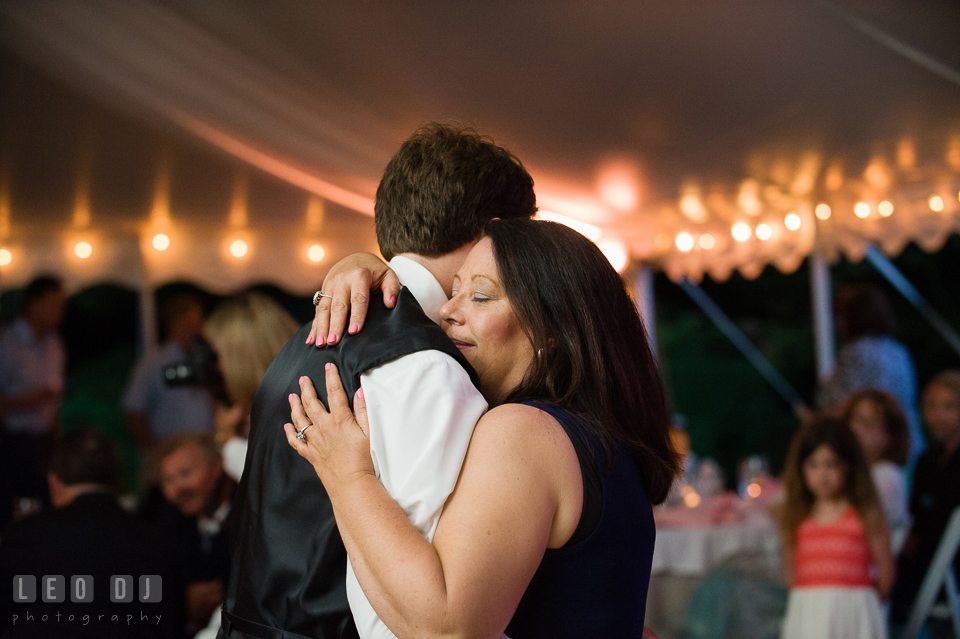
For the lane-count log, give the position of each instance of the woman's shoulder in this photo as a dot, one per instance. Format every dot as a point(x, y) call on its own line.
point(523, 428)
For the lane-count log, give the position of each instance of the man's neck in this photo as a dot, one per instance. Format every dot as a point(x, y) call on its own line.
point(443, 268)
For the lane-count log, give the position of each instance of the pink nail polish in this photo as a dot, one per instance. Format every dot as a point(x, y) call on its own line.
point(320, 341)
point(354, 328)
point(327, 367)
point(332, 338)
point(300, 381)
point(360, 393)
point(309, 339)
point(290, 397)
point(393, 300)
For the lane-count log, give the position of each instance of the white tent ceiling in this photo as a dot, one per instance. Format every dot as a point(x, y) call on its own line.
point(659, 122)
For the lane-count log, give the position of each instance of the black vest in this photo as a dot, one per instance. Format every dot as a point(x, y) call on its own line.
point(289, 565)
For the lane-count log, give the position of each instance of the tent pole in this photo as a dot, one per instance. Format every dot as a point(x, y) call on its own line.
point(899, 281)
point(646, 304)
point(822, 303)
point(148, 319)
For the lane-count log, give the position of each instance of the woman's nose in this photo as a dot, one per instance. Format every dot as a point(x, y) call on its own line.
point(449, 312)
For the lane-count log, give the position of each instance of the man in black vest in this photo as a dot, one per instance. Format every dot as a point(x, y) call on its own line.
point(290, 577)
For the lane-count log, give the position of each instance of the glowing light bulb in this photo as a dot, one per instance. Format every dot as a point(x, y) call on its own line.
point(684, 242)
point(83, 250)
point(741, 232)
point(315, 253)
point(161, 242)
point(792, 221)
point(238, 248)
point(764, 232)
point(861, 210)
point(822, 211)
point(707, 241)
point(885, 208)
point(936, 203)
point(5, 257)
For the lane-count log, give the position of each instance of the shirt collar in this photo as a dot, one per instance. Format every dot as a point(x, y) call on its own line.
point(421, 282)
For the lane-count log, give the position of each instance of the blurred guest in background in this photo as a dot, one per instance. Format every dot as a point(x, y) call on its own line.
point(87, 533)
point(833, 533)
point(935, 492)
point(880, 425)
point(167, 393)
point(871, 358)
point(194, 517)
point(246, 332)
point(32, 364)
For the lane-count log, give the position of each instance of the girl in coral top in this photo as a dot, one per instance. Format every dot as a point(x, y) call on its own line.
point(836, 547)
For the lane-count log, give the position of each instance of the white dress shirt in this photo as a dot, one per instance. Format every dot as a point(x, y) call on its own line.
point(422, 409)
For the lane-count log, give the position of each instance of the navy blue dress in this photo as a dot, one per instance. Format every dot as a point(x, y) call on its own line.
point(596, 585)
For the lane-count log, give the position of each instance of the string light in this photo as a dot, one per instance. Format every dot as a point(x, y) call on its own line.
point(823, 211)
point(792, 221)
point(885, 208)
point(764, 232)
point(161, 242)
point(315, 253)
point(238, 248)
point(684, 242)
point(741, 232)
point(707, 241)
point(861, 210)
point(83, 250)
point(936, 203)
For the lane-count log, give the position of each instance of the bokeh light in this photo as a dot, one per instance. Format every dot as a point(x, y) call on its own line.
point(238, 248)
point(83, 250)
point(764, 232)
point(861, 210)
point(5, 257)
point(161, 242)
point(792, 221)
point(684, 242)
point(936, 203)
point(707, 241)
point(885, 208)
point(741, 232)
point(315, 253)
point(823, 211)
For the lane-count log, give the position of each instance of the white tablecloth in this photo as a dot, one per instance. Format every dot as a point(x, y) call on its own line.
point(692, 551)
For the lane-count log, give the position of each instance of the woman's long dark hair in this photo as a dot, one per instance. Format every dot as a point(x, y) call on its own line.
point(593, 358)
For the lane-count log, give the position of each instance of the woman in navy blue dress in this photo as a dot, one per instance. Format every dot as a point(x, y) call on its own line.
point(549, 532)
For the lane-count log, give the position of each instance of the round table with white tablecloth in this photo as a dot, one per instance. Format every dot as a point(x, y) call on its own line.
point(688, 548)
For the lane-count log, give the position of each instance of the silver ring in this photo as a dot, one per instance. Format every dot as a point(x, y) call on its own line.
point(317, 296)
point(300, 433)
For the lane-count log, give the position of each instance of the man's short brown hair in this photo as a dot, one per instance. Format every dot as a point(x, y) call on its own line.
point(442, 186)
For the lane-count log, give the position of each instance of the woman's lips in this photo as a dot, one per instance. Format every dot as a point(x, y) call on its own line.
point(460, 344)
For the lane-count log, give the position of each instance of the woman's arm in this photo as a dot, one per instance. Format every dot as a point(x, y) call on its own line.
point(348, 284)
point(878, 538)
point(512, 501)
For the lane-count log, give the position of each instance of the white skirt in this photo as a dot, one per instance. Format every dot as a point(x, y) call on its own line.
point(833, 613)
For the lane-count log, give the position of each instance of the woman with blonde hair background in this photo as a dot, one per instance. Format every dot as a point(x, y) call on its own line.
point(247, 332)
